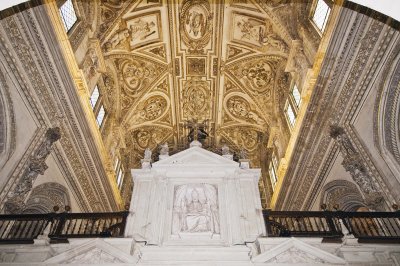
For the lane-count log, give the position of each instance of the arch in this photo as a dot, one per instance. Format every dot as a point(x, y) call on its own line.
point(7, 122)
point(387, 126)
point(344, 193)
point(45, 196)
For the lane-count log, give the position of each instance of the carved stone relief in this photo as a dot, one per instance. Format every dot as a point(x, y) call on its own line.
point(258, 73)
point(36, 165)
point(342, 194)
point(150, 110)
point(240, 109)
point(196, 209)
point(196, 98)
point(195, 24)
point(353, 164)
point(256, 32)
point(45, 196)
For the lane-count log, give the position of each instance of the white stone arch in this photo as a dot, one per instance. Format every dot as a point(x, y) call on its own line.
point(343, 193)
point(7, 122)
point(45, 196)
point(387, 126)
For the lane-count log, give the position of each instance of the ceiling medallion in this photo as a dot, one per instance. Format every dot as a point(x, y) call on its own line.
point(196, 98)
point(195, 24)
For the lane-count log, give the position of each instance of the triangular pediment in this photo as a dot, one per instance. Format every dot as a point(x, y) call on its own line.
point(95, 251)
point(196, 156)
point(294, 251)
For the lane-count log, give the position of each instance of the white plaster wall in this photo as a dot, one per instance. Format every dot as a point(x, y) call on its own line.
point(25, 129)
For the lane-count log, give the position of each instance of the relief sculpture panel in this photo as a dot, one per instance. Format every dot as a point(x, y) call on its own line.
point(256, 32)
point(196, 98)
point(258, 74)
point(196, 209)
point(195, 24)
point(240, 109)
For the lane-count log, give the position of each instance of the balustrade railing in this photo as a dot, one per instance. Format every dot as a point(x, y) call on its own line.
point(331, 225)
point(23, 228)
point(366, 226)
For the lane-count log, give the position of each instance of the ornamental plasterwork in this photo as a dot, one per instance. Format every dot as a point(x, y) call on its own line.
point(195, 24)
point(196, 98)
point(195, 54)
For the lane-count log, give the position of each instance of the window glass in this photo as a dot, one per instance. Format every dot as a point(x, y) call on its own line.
point(296, 95)
point(272, 175)
point(100, 116)
point(321, 14)
point(290, 114)
point(68, 15)
point(119, 177)
point(116, 164)
point(95, 97)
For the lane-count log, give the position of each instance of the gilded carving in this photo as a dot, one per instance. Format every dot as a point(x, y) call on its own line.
point(144, 29)
point(244, 137)
point(196, 66)
point(195, 24)
point(150, 110)
point(258, 74)
point(255, 32)
point(138, 74)
point(241, 109)
point(196, 98)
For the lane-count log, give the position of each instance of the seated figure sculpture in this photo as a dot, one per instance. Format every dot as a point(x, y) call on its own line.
point(195, 209)
point(197, 216)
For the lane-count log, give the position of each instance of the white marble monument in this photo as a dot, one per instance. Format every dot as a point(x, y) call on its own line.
point(197, 208)
point(195, 198)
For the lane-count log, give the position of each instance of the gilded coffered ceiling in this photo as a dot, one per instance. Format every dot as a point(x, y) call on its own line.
point(224, 63)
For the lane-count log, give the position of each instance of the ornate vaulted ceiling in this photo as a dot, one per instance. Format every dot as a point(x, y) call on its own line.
point(227, 64)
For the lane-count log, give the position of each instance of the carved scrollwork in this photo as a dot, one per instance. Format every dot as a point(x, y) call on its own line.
point(150, 110)
point(137, 74)
point(195, 24)
point(244, 137)
point(196, 98)
point(239, 108)
point(258, 74)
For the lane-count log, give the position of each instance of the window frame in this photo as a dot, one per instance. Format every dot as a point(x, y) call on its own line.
point(63, 19)
point(327, 15)
point(272, 170)
point(98, 106)
point(288, 105)
point(119, 172)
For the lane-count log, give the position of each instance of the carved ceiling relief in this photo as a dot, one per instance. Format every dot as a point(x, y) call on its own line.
point(196, 97)
point(257, 33)
point(139, 139)
point(194, 59)
point(195, 24)
point(148, 110)
point(240, 108)
point(109, 12)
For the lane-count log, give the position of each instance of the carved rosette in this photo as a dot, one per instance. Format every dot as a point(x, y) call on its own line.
point(195, 24)
point(196, 98)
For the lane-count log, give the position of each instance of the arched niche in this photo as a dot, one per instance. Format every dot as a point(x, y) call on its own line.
point(45, 196)
point(342, 193)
